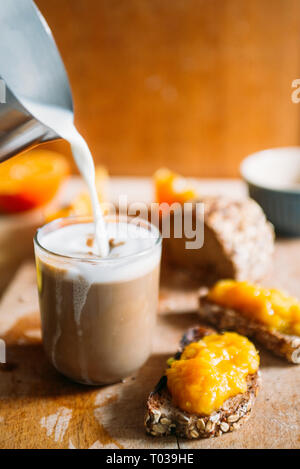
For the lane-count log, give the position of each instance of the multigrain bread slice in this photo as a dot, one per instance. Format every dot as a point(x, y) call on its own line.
point(163, 418)
point(238, 241)
point(283, 345)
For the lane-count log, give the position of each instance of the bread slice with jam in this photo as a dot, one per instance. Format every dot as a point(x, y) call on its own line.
point(231, 319)
point(164, 418)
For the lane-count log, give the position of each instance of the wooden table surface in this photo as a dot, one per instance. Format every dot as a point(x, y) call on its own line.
point(41, 409)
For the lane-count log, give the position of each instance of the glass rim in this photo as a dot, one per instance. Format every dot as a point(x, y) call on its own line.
point(100, 260)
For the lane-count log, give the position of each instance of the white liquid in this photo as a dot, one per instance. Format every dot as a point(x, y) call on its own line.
point(61, 122)
point(120, 265)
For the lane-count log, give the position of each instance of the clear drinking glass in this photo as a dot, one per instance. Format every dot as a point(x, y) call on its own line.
point(98, 315)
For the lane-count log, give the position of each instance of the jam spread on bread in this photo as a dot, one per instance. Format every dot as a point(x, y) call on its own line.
point(270, 307)
point(211, 371)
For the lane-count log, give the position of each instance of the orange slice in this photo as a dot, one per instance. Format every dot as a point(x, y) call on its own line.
point(30, 180)
point(171, 187)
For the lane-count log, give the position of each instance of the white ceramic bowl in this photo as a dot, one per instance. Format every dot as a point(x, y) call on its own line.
point(273, 178)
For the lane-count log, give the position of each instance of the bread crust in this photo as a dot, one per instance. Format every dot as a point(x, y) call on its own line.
point(283, 345)
point(163, 418)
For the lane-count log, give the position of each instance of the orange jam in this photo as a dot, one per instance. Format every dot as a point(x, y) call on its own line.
point(210, 371)
point(268, 306)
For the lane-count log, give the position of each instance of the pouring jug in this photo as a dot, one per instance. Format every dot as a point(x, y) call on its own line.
point(31, 70)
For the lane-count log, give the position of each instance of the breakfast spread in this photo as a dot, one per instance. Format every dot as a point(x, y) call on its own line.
point(98, 276)
point(209, 387)
point(238, 242)
point(268, 315)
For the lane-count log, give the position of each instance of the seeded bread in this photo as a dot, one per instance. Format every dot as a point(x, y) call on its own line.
point(163, 418)
point(238, 242)
point(283, 345)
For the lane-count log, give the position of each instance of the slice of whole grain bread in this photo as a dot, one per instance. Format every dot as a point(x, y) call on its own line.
point(283, 345)
point(163, 418)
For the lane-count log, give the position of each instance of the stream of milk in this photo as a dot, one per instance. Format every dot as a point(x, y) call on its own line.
point(61, 122)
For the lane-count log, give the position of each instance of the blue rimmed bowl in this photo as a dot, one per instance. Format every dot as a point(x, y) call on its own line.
point(273, 179)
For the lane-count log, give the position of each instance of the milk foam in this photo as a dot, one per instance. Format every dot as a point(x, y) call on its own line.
point(121, 264)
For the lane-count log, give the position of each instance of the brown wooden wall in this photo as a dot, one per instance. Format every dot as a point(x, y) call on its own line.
point(191, 84)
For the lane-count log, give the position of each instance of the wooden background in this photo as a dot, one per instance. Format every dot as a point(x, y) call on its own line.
point(195, 85)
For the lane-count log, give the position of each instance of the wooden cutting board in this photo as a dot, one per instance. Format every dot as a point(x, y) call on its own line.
point(41, 409)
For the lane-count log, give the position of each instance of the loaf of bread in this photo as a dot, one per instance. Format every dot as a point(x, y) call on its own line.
point(238, 242)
